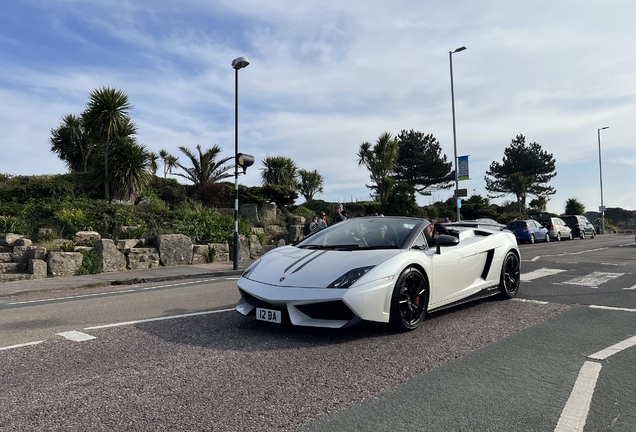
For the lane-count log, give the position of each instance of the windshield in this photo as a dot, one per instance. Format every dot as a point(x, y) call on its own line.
point(365, 233)
point(516, 225)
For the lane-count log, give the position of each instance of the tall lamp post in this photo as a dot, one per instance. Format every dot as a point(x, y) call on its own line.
point(600, 169)
point(237, 63)
point(450, 57)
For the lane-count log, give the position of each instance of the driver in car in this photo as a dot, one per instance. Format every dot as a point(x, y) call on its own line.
point(380, 238)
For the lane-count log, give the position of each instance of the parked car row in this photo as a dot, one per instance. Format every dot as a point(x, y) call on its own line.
point(544, 227)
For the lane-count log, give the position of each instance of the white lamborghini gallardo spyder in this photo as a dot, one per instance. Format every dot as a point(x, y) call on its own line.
point(380, 269)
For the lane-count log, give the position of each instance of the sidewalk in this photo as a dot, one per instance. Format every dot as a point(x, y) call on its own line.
point(195, 271)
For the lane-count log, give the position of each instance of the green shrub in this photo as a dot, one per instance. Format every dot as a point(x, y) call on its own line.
point(73, 219)
point(308, 214)
point(210, 255)
point(152, 203)
point(12, 224)
point(206, 226)
point(91, 262)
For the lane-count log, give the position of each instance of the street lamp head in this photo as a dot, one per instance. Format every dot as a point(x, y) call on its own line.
point(460, 49)
point(240, 63)
point(606, 127)
point(244, 161)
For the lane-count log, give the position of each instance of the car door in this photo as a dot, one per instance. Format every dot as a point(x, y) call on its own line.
point(535, 228)
point(456, 270)
point(563, 227)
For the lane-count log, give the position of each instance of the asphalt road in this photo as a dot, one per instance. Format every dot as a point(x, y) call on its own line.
point(487, 366)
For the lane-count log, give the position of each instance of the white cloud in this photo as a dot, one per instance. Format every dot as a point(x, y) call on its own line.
point(325, 77)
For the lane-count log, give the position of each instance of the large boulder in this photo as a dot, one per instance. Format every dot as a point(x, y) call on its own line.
point(296, 220)
point(63, 263)
point(268, 211)
point(250, 212)
point(222, 251)
point(8, 239)
point(87, 238)
point(174, 249)
point(256, 249)
point(22, 254)
point(22, 242)
point(200, 254)
point(295, 233)
point(244, 248)
point(37, 268)
point(276, 232)
point(143, 258)
point(112, 259)
point(127, 244)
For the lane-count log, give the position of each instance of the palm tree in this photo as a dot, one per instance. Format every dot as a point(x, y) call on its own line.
point(154, 164)
point(381, 160)
point(310, 183)
point(205, 168)
point(279, 170)
point(105, 116)
point(71, 143)
point(169, 162)
point(131, 166)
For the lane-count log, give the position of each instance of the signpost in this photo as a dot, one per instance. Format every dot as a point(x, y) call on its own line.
point(461, 192)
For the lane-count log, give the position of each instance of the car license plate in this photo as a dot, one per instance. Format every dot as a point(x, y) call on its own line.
point(268, 315)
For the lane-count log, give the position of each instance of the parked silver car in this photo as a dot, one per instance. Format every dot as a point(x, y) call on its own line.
point(558, 229)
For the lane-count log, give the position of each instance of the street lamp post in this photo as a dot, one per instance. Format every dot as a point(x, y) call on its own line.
point(450, 57)
point(237, 63)
point(600, 169)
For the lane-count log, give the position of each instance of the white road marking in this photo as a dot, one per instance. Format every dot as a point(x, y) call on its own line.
point(76, 336)
point(612, 308)
point(603, 354)
point(232, 278)
point(69, 297)
point(20, 345)
point(594, 279)
point(574, 415)
point(526, 277)
point(631, 288)
point(573, 253)
point(179, 284)
point(535, 258)
point(157, 319)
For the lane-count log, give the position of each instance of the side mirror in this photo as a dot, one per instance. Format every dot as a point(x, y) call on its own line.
point(445, 240)
point(244, 161)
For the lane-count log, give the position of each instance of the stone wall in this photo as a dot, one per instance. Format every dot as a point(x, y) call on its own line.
point(20, 259)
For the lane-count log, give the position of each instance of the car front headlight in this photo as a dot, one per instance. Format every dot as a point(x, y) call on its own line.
point(349, 278)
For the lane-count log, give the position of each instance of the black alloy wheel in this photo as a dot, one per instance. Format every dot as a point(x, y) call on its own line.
point(409, 302)
point(510, 276)
point(531, 241)
point(547, 237)
point(582, 234)
point(558, 237)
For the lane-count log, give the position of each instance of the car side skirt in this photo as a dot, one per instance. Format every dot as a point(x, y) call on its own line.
point(484, 293)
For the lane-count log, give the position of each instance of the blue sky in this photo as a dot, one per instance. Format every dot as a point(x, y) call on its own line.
point(325, 77)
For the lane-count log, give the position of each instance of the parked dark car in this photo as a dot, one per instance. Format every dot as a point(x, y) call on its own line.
point(528, 231)
point(581, 227)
